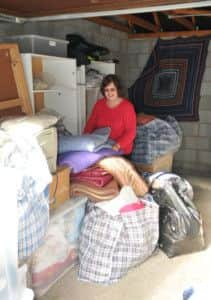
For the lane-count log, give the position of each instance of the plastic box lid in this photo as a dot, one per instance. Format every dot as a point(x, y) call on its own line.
point(36, 36)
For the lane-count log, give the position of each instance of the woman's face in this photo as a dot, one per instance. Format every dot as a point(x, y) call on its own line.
point(110, 92)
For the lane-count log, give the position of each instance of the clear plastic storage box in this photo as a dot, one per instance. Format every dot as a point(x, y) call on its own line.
point(31, 43)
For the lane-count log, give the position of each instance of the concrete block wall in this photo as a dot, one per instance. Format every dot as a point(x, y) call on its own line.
point(195, 153)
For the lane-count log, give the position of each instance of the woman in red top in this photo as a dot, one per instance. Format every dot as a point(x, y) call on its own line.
point(115, 112)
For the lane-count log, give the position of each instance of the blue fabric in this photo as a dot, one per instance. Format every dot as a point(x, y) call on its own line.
point(86, 142)
point(80, 160)
point(33, 216)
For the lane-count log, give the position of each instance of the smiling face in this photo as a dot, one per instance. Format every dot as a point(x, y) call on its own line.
point(111, 92)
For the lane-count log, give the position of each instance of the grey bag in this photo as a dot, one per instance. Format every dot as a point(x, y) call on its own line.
point(181, 229)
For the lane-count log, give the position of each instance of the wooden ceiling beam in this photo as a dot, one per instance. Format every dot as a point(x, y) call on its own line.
point(140, 22)
point(156, 19)
point(110, 23)
point(182, 21)
point(194, 12)
point(169, 34)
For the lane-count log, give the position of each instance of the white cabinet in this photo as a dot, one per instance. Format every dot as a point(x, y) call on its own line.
point(66, 90)
point(60, 74)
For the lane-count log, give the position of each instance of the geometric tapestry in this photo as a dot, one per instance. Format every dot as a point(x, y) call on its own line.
point(171, 80)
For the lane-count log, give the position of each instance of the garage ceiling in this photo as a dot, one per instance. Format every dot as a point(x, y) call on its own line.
point(138, 18)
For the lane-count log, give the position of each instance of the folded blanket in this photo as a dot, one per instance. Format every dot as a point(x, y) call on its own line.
point(124, 173)
point(77, 161)
point(95, 194)
point(94, 176)
point(86, 142)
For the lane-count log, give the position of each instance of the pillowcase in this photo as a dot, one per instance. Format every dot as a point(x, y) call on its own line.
point(86, 142)
point(29, 125)
point(80, 160)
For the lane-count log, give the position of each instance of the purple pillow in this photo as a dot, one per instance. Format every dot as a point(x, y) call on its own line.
point(80, 160)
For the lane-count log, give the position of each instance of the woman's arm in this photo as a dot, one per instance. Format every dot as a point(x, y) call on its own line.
point(129, 133)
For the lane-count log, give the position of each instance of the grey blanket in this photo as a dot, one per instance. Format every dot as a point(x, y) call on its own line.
point(155, 139)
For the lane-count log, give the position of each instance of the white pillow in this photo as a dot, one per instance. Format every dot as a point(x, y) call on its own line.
point(29, 125)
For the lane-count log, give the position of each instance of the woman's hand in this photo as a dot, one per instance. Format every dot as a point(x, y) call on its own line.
point(116, 147)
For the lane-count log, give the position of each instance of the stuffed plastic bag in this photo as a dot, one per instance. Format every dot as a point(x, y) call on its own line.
point(181, 229)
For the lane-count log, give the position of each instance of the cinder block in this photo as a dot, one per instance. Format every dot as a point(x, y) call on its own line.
point(132, 61)
point(197, 143)
point(124, 46)
point(207, 74)
point(189, 128)
point(134, 46)
point(186, 155)
point(205, 116)
point(209, 47)
point(146, 47)
point(205, 130)
point(133, 73)
point(205, 157)
point(142, 59)
point(208, 59)
point(205, 88)
point(114, 44)
point(205, 103)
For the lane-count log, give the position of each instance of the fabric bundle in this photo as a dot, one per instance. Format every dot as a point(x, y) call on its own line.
point(93, 142)
point(109, 191)
point(124, 173)
point(155, 139)
point(77, 161)
point(95, 176)
point(26, 158)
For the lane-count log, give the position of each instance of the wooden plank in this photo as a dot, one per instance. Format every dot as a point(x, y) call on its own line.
point(39, 102)
point(110, 23)
point(194, 12)
point(12, 64)
point(140, 22)
point(182, 21)
point(156, 19)
point(37, 68)
point(169, 34)
point(11, 103)
point(42, 8)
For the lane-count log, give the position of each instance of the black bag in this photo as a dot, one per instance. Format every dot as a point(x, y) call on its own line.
point(181, 229)
point(82, 50)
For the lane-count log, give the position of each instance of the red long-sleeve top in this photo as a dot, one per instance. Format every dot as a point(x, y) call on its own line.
point(121, 119)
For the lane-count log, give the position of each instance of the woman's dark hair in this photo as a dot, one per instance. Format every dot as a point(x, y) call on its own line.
point(110, 78)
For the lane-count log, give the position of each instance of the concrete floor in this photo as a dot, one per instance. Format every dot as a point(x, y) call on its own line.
point(159, 278)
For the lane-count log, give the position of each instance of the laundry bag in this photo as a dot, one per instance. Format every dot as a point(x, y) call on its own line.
point(110, 244)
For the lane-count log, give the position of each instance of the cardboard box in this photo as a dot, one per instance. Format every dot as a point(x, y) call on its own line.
point(60, 187)
point(162, 163)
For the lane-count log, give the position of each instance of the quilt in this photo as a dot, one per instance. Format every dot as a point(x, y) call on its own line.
point(171, 80)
